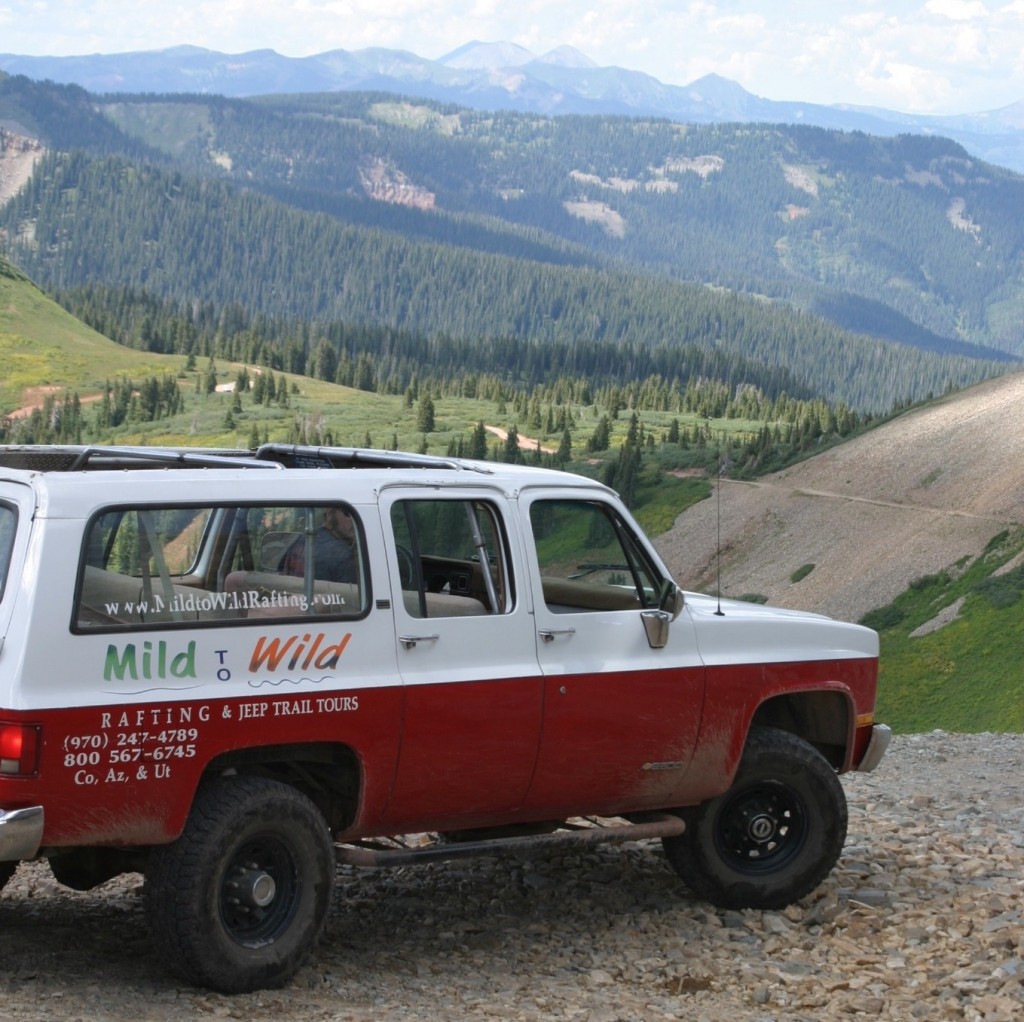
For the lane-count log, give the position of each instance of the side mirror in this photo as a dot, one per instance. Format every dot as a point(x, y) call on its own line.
point(671, 598)
point(656, 622)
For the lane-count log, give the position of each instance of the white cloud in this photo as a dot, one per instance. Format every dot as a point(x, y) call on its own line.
point(898, 86)
point(865, 21)
point(958, 10)
point(739, 26)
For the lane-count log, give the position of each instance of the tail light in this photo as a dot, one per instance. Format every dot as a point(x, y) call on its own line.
point(19, 750)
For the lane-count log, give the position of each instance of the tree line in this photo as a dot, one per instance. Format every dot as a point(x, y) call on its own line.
point(143, 229)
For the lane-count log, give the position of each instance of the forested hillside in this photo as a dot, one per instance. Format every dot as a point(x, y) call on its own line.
point(526, 245)
point(912, 222)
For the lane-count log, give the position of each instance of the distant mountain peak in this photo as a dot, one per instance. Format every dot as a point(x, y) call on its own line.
point(566, 56)
point(487, 56)
point(715, 84)
point(184, 49)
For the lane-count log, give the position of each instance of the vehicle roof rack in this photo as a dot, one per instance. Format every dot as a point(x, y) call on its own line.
point(73, 458)
point(80, 458)
point(307, 456)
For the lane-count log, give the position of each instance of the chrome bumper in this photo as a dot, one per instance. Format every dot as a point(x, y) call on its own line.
point(21, 832)
point(881, 736)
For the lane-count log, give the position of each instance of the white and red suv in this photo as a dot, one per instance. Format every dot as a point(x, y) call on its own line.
point(231, 670)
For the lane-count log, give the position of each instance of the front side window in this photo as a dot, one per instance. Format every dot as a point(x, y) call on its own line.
point(161, 566)
point(589, 559)
point(452, 557)
point(8, 526)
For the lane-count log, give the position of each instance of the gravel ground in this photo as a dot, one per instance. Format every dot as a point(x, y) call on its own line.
point(922, 919)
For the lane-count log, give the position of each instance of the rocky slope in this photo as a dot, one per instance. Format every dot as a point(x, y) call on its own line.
point(905, 500)
point(18, 157)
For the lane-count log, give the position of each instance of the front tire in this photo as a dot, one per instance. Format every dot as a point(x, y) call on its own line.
point(773, 836)
point(6, 872)
point(239, 901)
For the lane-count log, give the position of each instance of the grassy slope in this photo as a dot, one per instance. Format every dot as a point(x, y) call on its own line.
point(41, 346)
point(965, 675)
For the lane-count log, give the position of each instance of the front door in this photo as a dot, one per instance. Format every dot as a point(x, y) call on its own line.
point(620, 717)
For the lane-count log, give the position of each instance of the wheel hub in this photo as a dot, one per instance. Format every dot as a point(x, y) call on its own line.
point(260, 892)
point(761, 828)
point(253, 887)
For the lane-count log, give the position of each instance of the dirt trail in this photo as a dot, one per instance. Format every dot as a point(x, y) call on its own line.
point(787, 491)
point(526, 443)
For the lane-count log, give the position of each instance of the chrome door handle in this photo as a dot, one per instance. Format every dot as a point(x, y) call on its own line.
point(548, 634)
point(409, 641)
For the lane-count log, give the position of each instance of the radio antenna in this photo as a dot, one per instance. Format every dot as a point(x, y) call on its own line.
point(718, 524)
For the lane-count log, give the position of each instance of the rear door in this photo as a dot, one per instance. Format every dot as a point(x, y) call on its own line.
point(466, 654)
point(620, 717)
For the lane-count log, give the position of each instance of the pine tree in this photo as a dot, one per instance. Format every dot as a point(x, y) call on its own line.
point(425, 415)
point(564, 453)
point(478, 442)
point(512, 453)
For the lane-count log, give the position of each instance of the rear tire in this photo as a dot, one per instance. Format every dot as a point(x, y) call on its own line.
point(239, 901)
point(6, 872)
point(773, 836)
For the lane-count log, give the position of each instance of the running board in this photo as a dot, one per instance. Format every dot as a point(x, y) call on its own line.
point(575, 836)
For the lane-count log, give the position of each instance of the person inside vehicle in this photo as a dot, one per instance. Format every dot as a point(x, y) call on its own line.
point(333, 549)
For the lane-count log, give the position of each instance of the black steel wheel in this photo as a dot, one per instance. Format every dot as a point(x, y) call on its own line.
point(761, 827)
point(238, 902)
point(773, 836)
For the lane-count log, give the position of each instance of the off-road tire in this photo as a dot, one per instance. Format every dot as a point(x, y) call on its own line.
point(6, 872)
point(239, 901)
point(773, 836)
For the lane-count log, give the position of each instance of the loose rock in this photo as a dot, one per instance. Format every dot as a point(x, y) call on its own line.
point(921, 919)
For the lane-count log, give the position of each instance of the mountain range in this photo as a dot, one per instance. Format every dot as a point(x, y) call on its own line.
point(853, 268)
point(383, 243)
point(504, 76)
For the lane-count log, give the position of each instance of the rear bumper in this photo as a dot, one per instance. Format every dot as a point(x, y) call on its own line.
point(881, 736)
point(21, 832)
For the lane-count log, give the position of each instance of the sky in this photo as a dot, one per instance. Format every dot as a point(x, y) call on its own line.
point(916, 56)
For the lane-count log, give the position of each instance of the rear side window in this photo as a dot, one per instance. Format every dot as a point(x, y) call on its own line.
point(452, 558)
point(8, 526)
point(166, 566)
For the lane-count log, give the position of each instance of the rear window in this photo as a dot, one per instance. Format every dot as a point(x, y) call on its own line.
point(8, 526)
point(453, 557)
point(167, 566)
